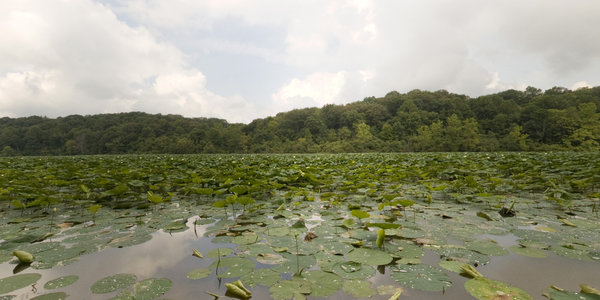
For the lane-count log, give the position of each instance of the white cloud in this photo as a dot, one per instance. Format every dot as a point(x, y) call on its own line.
point(80, 56)
point(580, 84)
point(321, 88)
point(71, 57)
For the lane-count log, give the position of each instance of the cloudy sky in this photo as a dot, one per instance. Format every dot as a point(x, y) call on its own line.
point(240, 60)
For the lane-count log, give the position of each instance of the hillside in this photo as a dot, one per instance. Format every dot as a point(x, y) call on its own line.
point(530, 120)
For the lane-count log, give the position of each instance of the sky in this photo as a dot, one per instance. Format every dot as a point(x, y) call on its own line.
point(241, 60)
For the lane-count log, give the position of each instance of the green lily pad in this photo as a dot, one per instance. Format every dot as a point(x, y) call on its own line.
point(288, 289)
point(61, 282)
point(487, 289)
point(422, 277)
point(290, 266)
point(369, 256)
point(214, 253)
point(199, 273)
point(151, 288)
point(353, 270)
point(270, 259)
point(266, 277)
point(452, 265)
point(7, 297)
point(51, 296)
point(323, 284)
point(464, 255)
point(246, 239)
point(487, 248)
point(278, 231)
point(358, 288)
point(232, 267)
point(527, 251)
point(560, 294)
point(15, 282)
point(113, 283)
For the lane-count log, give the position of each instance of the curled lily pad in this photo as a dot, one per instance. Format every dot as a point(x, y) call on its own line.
point(51, 296)
point(422, 277)
point(152, 288)
point(487, 289)
point(113, 283)
point(369, 256)
point(199, 273)
point(15, 282)
point(358, 288)
point(61, 282)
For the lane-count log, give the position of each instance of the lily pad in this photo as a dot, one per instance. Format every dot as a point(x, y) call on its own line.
point(152, 288)
point(15, 282)
point(199, 273)
point(452, 265)
point(369, 256)
point(61, 282)
point(113, 283)
point(323, 284)
point(353, 270)
point(266, 277)
point(527, 251)
point(421, 277)
point(287, 289)
point(358, 288)
point(234, 267)
point(487, 248)
point(51, 296)
point(487, 289)
point(214, 253)
point(270, 259)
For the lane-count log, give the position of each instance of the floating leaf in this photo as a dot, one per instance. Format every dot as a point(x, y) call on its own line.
point(113, 283)
point(369, 256)
point(266, 277)
point(361, 214)
point(234, 267)
point(487, 289)
point(270, 259)
point(61, 282)
point(215, 252)
point(353, 270)
point(358, 288)
point(452, 265)
point(287, 289)
point(13, 283)
point(199, 273)
point(152, 288)
point(422, 277)
point(527, 251)
point(487, 248)
point(323, 284)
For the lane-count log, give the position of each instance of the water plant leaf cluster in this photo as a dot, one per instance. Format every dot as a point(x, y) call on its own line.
point(317, 225)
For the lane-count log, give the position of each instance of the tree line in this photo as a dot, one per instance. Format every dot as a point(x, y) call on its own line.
point(532, 120)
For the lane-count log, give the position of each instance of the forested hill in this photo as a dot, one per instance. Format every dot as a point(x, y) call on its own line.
point(530, 120)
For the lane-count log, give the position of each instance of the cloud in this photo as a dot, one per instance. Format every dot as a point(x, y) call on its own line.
point(240, 60)
point(76, 57)
point(317, 89)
